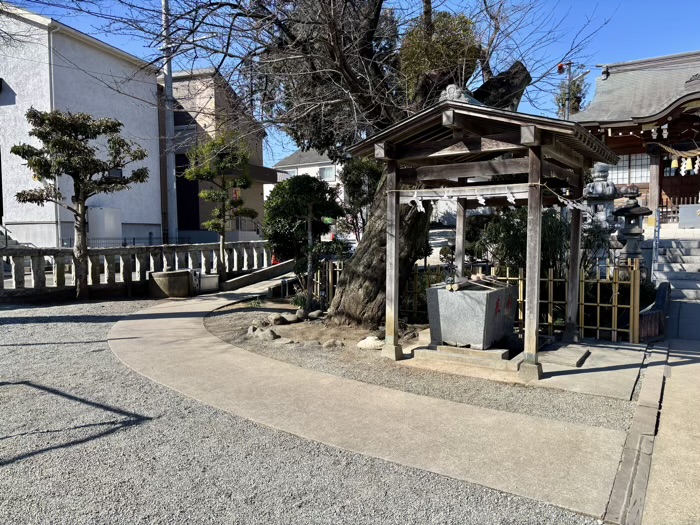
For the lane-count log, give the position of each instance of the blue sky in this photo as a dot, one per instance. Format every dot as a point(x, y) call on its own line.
point(637, 29)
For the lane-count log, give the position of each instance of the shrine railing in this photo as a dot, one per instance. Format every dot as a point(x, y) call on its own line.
point(25, 271)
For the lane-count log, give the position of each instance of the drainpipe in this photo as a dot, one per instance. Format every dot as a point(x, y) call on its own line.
point(52, 106)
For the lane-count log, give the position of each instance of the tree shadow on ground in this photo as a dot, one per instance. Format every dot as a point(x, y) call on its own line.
point(128, 419)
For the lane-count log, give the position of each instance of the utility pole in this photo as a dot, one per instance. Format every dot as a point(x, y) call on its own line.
point(568, 67)
point(169, 126)
point(567, 113)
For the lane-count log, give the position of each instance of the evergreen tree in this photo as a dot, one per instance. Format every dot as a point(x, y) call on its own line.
point(90, 152)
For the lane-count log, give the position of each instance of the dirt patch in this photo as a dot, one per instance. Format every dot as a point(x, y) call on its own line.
point(231, 324)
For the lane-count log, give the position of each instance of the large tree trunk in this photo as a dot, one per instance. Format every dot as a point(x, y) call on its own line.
point(361, 294)
point(80, 253)
point(505, 89)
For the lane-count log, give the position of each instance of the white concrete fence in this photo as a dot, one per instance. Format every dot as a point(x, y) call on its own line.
point(122, 267)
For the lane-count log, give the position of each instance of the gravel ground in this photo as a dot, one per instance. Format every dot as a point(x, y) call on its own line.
point(83, 439)
point(368, 366)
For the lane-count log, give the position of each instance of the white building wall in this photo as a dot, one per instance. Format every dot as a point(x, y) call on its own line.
point(314, 171)
point(92, 80)
point(24, 69)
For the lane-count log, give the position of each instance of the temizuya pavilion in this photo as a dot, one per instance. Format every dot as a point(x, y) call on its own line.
point(454, 149)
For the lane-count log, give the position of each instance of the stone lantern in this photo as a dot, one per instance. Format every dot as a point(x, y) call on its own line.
point(599, 196)
point(631, 233)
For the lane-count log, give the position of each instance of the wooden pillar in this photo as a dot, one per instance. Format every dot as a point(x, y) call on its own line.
point(392, 349)
point(571, 334)
point(654, 182)
point(459, 237)
point(530, 369)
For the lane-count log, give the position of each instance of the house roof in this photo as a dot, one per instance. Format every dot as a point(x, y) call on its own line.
point(643, 90)
point(303, 158)
point(50, 23)
point(427, 126)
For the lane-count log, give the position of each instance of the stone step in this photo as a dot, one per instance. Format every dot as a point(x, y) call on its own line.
point(670, 259)
point(685, 293)
point(464, 359)
point(495, 355)
point(678, 267)
point(679, 251)
point(685, 285)
point(677, 276)
point(676, 243)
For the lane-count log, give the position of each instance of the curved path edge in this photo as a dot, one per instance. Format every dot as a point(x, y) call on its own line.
point(569, 465)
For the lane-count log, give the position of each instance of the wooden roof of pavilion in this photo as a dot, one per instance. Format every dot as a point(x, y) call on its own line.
point(455, 147)
point(428, 137)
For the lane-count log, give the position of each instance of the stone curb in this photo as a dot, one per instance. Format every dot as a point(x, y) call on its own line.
point(626, 504)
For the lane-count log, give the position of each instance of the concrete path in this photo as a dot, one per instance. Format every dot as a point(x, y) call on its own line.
point(569, 465)
point(672, 494)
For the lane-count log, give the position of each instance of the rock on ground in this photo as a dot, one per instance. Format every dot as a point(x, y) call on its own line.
point(371, 343)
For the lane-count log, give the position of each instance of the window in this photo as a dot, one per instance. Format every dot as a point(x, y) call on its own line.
point(631, 169)
point(182, 118)
point(327, 174)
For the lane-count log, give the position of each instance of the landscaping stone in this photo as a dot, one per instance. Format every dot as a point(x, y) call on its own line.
point(260, 323)
point(276, 319)
point(251, 330)
point(333, 343)
point(300, 314)
point(291, 318)
point(316, 314)
point(371, 343)
point(267, 335)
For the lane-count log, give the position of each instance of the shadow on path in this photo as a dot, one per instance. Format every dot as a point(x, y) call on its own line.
point(131, 419)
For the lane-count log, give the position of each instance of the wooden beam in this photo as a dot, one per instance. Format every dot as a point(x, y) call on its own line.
point(452, 120)
point(502, 143)
point(530, 369)
point(552, 170)
point(571, 330)
point(383, 151)
point(530, 135)
point(555, 150)
point(473, 169)
point(391, 348)
point(516, 191)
